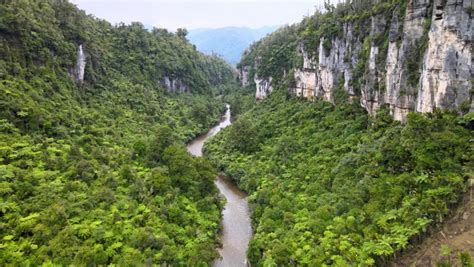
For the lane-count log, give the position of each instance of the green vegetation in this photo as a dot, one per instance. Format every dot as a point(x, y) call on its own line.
point(96, 173)
point(273, 55)
point(330, 185)
point(464, 259)
point(240, 99)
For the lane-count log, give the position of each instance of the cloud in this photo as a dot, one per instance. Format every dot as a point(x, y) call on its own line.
point(200, 13)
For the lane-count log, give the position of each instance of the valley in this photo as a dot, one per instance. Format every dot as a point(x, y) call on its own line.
point(345, 139)
point(236, 228)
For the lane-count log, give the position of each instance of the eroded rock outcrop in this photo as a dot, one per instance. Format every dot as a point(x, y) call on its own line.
point(402, 77)
point(80, 68)
point(305, 79)
point(417, 59)
point(264, 87)
point(174, 85)
point(305, 83)
point(244, 76)
point(446, 79)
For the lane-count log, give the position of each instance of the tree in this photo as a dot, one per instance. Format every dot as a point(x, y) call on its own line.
point(164, 137)
point(243, 136)
point(182, 33)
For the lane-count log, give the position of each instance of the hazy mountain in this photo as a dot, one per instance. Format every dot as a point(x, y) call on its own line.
point(229, 42)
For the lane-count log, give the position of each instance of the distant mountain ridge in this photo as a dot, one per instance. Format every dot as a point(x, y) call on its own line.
point(228, 42)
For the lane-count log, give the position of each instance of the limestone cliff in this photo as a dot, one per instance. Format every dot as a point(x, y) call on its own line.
point(244, 76)
point(446, 79)
point(264, 87)
point(79, 70)
point(413, 57)
point(174, 85)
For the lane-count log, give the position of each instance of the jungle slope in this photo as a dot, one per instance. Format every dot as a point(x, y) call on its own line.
point(335, 183)
point(93, 168)
point(446, 243)
point(331, 185)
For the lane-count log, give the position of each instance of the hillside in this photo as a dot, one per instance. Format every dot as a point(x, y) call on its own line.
point(351, 135)
point(93, 121)
point(445, 244)
point(359, 149)
point(331, 185)
point(228, 42)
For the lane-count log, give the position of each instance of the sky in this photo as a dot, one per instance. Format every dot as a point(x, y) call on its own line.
point(173, 14)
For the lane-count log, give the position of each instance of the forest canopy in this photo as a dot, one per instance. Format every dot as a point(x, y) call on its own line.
point(330, 185)
point(96, 172)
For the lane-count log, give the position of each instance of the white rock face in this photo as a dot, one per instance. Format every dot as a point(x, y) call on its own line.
point(393, 74)
point(445, 68)
point(335, 67)
point(308, 62)
point(264, 87)
point(174, 85)
point(370, 97)
point(371, 91)
point(305, 79)
point(244, 76)
point(80, 64)
point(353, 46)
point(399, 94)
point(446, 80)
point(305, 83)
point(332, 68)
point(321, 79)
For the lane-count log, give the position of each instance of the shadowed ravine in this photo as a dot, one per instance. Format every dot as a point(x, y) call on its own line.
point(236, 216)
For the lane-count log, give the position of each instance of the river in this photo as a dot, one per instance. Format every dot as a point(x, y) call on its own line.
point(237, 231)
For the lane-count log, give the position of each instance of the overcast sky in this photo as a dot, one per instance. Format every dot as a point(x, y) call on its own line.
point(191, 14)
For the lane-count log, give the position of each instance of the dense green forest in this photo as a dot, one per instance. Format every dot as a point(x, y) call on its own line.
point(96, 172)
point(94, 169)
point(330, 185)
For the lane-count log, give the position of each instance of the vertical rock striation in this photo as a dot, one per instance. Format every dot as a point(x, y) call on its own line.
point(414, 59)
point(174, 85)
point(264, 87)
point(446, 79)
point(79, 70)
point(244, 76)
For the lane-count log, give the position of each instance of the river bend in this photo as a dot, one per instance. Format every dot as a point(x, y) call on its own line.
point(237, 230)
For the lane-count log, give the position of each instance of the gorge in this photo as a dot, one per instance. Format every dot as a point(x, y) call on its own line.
point(236, 231)
point(350, 141)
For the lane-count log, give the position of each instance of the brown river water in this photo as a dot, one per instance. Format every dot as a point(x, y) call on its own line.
point(237, 231)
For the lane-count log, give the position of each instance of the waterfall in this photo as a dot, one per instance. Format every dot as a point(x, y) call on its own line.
point(81, 64)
